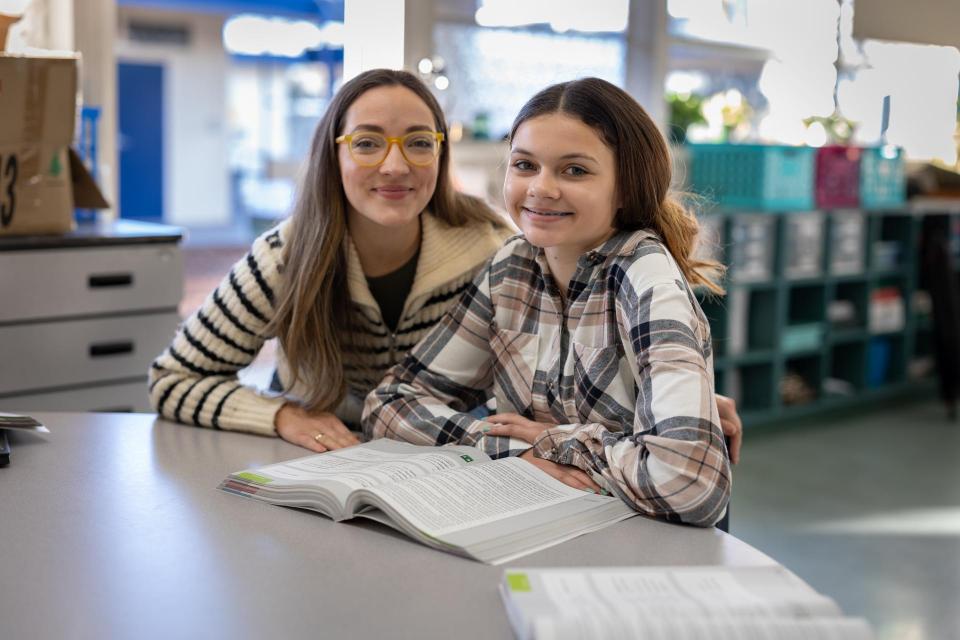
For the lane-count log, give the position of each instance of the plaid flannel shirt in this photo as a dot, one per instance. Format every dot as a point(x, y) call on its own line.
point(623, 367)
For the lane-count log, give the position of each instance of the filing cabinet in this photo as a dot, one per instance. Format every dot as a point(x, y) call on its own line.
point(82, 315)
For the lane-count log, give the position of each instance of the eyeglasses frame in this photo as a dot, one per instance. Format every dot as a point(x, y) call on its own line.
point(391, 140)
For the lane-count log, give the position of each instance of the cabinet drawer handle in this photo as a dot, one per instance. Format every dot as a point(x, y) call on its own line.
point(111, 348)
point(110, 280)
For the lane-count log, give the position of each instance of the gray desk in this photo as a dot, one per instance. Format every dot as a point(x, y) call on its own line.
point(112, 527)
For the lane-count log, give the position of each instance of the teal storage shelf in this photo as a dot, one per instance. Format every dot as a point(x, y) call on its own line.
point(861, 277)
point(786, 348)
point(769, 285)
point(753, 357)
point(842, 336)
point(899, 272)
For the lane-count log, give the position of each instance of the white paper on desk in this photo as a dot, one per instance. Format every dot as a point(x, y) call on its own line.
point(710, 591)
point(721, 603)
point(21, 423)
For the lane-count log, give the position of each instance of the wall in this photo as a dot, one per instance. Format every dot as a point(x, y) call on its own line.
point(94, 37)
point(196, 181)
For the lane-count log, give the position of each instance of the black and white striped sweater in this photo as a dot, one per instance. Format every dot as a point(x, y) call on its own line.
point(195, 379)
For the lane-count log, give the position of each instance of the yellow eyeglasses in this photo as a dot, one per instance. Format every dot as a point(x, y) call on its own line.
point(369, 148)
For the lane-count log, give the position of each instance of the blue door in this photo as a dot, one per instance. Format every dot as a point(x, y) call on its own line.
point(140, 140)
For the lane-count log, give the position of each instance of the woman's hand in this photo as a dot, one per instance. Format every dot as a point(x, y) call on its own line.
point(318, 432)
point(731, 425)
point(516, 426)
point(567, 474)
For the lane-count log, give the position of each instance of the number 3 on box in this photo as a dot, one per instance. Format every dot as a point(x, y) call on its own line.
point(8, 198)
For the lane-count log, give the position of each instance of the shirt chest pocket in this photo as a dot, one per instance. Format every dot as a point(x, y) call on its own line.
point(514, 370)
point(604, 390)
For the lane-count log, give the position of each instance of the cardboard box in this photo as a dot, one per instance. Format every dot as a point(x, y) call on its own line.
point(6, 21)
point(38, 100)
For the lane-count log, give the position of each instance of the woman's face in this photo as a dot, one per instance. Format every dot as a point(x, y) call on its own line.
point(393, 193)
point(560, 187)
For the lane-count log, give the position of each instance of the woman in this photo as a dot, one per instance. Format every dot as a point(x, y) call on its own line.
point(378, 248)
point(584, 329)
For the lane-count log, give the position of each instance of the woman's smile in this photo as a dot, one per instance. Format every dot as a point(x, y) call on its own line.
point(393, 191)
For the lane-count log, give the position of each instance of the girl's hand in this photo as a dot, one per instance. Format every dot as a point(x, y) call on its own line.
point(568, 475)
point(318, 432)
point(516, 426)
point(731, 425)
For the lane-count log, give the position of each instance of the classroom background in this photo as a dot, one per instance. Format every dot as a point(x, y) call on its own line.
point(820, 139)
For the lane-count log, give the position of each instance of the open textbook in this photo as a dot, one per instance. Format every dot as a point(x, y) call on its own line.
point(452, 498)
point(672, 603)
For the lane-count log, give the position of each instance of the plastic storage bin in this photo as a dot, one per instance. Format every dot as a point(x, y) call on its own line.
point(882, 178)
point(750, 176)
point(848, 241)
point(838, 177)
point(804, 245)
point(802, 337)
point(751, 248)
point(878, 361)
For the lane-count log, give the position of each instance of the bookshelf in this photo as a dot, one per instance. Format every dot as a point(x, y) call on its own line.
point(823, 310)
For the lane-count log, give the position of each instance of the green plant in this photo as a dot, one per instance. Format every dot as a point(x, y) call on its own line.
point(685, 109)
point(839, 129)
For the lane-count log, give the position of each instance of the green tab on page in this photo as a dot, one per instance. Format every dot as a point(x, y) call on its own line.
point(252, 477)
point(518, 582)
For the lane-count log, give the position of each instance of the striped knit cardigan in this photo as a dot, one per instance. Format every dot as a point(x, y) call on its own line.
point(194, 380)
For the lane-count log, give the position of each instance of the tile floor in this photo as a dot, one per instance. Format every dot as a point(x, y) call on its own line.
point(866, 509)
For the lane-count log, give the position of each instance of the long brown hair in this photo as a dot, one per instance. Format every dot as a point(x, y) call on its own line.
point(312, 316)
point(643, 167)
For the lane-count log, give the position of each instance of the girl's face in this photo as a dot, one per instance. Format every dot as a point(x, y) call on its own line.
point(560, 187)
point(393, 193)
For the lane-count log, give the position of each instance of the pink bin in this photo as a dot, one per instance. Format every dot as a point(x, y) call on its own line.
point(837, 182)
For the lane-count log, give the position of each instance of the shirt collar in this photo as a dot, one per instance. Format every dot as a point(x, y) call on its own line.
point(621, 243)
point(446, 252)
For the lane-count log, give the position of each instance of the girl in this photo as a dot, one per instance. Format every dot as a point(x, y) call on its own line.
point(378, 248)
point(584, 329)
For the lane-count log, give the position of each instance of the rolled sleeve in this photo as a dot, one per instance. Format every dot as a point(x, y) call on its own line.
point(428, 397)
point(674, 465)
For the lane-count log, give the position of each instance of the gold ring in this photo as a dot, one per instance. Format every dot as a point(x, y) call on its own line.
point(318, 437)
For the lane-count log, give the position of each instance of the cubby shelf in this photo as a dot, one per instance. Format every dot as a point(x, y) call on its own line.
point(844, 336)
point(819, 312)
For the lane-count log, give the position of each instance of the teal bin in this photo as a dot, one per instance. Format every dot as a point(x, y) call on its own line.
point(753, 176)
point(882, 178)
point(802, 337)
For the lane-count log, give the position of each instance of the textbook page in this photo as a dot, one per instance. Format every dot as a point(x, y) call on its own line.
point(362, 466)
point(468, 497)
